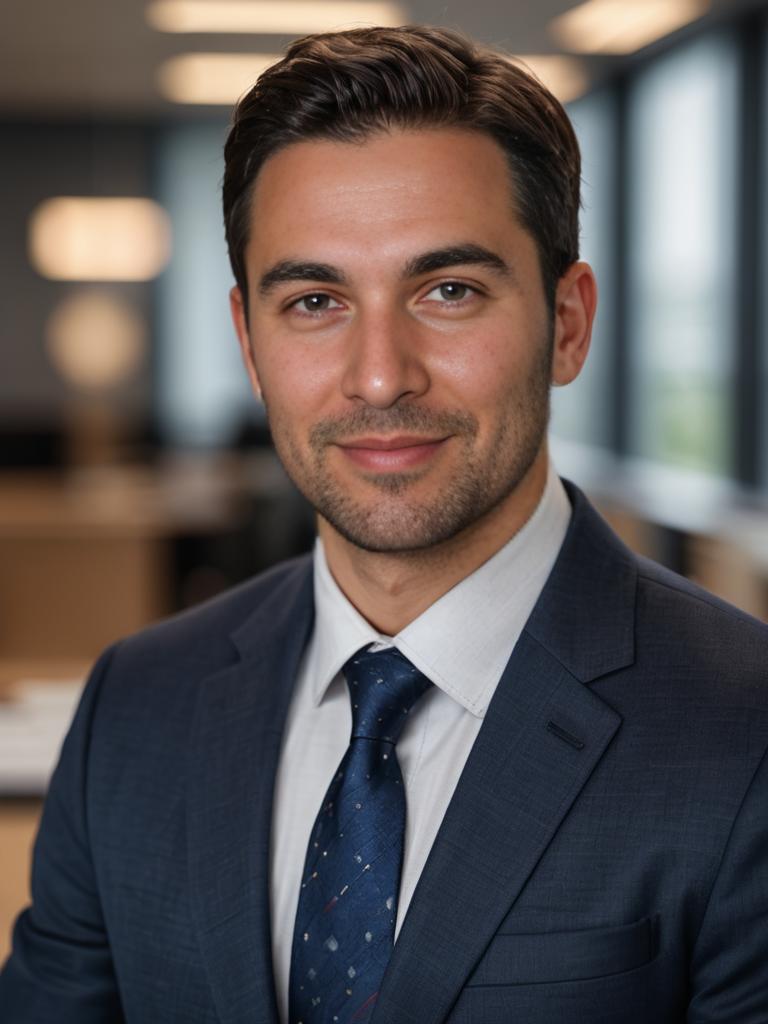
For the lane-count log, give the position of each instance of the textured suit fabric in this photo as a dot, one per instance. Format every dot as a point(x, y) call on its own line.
point(604, 858)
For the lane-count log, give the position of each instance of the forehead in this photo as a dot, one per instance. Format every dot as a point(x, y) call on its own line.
point(387, 192)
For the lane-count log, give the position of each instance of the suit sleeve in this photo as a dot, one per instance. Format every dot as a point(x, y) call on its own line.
point(60, 968)
point(729, 981)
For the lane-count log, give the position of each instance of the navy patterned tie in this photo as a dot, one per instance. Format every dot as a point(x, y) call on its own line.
point(345, 923)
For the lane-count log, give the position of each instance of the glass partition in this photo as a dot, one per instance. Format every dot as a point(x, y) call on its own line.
point(203, 395)
point(582, 410)
point(681, 257)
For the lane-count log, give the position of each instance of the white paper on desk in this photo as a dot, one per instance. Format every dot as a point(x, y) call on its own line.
point(33, 724)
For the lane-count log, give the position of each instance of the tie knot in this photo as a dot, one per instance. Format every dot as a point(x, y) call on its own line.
point(383, 687)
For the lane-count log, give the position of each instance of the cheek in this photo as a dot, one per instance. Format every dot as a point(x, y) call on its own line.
point(481, 372)
point(296, 381)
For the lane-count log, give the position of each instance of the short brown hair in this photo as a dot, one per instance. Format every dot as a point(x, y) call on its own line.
point(347, 85)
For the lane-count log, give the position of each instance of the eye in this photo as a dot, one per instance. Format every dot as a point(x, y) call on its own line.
point(449, 291)
point(317, 302)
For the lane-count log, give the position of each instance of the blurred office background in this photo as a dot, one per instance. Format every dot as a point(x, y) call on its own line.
point(136, 476)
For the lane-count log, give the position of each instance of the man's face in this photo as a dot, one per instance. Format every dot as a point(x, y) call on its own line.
point(398, 332)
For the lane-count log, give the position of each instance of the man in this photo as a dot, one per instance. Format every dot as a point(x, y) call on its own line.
point(578, 736)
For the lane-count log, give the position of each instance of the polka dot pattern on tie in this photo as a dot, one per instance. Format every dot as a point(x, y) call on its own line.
point(345, 922)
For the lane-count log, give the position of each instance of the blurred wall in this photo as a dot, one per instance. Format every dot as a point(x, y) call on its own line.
point(40, 160)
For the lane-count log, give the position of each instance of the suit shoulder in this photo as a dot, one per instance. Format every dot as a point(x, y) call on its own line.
point(711, 633)
point(202, 635)
point(671, 591)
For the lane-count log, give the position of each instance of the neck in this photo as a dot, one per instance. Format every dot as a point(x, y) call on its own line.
point(391, 589)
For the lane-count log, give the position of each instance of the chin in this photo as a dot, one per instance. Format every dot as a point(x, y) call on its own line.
point(395, 525)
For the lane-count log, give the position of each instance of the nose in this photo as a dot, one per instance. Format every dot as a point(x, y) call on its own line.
point(385, 362)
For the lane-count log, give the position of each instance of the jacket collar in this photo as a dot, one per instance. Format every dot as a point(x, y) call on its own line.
point(585, 616)
point(543, 735)
point(234, 755)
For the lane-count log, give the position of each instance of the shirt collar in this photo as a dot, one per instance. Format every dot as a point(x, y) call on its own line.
point(463, 641)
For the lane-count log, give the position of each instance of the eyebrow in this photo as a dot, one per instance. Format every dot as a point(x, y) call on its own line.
point(456, 255)
point(467, 253)
point(299, 270)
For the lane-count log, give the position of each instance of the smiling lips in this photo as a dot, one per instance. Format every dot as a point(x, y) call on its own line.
point(392, 454)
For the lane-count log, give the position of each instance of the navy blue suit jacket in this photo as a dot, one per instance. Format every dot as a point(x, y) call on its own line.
point(604, 858)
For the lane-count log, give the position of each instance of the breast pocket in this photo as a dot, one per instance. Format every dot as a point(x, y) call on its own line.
point(566, 956)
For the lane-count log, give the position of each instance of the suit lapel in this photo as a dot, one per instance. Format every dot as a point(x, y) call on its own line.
point(239, 726)
point(543, 735)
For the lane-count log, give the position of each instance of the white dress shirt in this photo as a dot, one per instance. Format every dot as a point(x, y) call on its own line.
point(462, 643)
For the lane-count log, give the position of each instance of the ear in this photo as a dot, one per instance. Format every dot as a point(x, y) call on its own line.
point(575, 304)
point(240, 320)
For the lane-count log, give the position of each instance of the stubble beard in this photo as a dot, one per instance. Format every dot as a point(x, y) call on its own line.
point(391, 520)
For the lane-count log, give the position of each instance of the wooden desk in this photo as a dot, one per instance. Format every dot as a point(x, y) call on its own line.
point(84, 556)
point(18, 826)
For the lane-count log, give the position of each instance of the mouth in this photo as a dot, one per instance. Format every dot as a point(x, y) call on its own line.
point(391, 454)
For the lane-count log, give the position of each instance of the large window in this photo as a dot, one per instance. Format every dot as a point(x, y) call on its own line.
point(583, 410)
point(682, 229)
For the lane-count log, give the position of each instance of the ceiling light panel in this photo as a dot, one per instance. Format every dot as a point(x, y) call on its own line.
point(216, 79)
point(82, 238)
point(220, 79)
point(622, 26)
point(563, 76)
point(286, 17)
